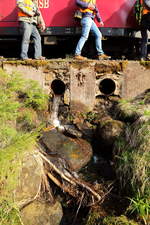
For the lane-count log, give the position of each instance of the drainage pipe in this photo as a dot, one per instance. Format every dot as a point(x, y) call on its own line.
point(107, 86)
point(58, 87)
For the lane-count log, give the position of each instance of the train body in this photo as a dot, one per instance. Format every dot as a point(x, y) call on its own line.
point(118, 17)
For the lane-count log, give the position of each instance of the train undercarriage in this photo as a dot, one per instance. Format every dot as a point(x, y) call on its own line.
point(60, 43)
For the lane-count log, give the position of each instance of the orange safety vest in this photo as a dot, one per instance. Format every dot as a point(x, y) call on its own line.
point(20, 13)
point(88, 10)
point(146, 10)
point(28, 5)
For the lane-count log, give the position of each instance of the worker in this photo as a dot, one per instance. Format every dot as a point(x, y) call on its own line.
point(30, 20)
point(89, 12)
point(145, 27)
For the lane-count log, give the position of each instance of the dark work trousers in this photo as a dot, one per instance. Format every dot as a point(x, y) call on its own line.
point(145, 27)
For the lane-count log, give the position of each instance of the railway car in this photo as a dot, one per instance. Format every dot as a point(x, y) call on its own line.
point(117, 15)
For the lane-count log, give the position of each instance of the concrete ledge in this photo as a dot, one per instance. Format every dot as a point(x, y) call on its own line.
point(85, 80)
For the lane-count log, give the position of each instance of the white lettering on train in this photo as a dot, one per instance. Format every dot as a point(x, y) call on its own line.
point(43, 3)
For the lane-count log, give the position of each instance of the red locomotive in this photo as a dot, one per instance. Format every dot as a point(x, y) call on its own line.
point(117, 15)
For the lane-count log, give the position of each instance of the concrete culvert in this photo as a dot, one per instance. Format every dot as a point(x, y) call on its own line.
point(58, 87)
point(107, 86)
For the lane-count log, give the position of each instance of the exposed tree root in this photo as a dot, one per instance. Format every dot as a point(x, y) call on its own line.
point(22, 204)
point(68, 182)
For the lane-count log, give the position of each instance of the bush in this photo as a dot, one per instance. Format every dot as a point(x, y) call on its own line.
point(19, 101)
point(132, 162)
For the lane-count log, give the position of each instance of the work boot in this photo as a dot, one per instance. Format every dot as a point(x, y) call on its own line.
point(41, 58)
point(79, 57)
point(103, 57)
point(144, 59)
point(27, 59)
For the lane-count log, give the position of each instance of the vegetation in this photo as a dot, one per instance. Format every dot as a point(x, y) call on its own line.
point(132, 160)
point(9, 214)
point(120, 220)
point(140, 205)
point(20, 102)
point(95, 218)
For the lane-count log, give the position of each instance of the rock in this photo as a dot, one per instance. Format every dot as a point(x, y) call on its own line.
point(106, 133)
point(76, 151)
point(30, 177)
point(109, 129)
point(38, 213)
point(28, 190)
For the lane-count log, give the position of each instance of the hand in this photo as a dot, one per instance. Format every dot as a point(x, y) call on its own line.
point(91, 6)
point(42, 26)
point(36, 13)
point(101, 24)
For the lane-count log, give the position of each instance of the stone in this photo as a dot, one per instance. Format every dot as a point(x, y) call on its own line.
point(32, 211)
point(108, 130)
point(39, 213)
point(76, 151)
point(29, 180)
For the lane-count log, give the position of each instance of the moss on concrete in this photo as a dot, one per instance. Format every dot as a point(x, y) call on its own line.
point(34, 63)
point(110, 66)
point(81, 64)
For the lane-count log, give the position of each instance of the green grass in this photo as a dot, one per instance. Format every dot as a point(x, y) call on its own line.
point(9, 214)
point(20, 102)
point(133, 168)
point(141, 206)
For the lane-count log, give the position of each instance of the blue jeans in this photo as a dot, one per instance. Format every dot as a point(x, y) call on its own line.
point(28, 31)
point(88, 25)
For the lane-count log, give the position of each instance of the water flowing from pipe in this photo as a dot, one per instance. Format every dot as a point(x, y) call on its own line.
point(55, 122)
point(54, 111)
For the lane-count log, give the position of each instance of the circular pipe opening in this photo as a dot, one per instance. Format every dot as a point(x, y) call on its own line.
point(107, 86)
point(58, 87)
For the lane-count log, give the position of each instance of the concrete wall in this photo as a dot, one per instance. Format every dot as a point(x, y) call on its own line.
point(136, 79)
point(85, 80)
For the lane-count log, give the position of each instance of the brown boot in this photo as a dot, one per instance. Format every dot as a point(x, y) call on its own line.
point(103, 57)
point(41, 58)
point(79, 57)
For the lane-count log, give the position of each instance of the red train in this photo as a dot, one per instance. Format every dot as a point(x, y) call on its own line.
point(117, 15)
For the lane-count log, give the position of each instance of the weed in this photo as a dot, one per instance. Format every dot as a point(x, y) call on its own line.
point(141, 206)
point(9, 214)
point(15, 142)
